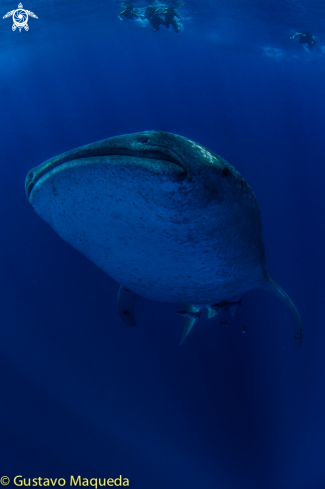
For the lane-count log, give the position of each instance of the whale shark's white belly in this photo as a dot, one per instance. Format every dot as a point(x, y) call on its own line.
point(157, 240)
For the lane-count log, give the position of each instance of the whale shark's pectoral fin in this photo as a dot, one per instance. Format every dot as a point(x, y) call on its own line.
point(126, 302)
point(190, 321)
point(281, 294)
point(187, 328)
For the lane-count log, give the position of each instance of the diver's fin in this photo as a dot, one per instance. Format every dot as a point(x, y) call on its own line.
point(189, 321)
point(212, 312)
point(126, 302)
point(281, 294)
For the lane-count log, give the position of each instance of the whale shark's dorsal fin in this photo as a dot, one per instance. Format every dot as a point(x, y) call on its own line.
point(189, 321)
point(283, 296)
point(126, 302)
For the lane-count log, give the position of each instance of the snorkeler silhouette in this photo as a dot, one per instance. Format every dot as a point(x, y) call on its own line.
point(170, 14)
point(128, 13)
point(305, 38)
point(152, 14)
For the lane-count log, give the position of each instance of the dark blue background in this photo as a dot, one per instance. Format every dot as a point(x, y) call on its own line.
point(80, 393)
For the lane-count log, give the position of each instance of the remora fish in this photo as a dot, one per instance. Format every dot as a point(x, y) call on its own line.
point(224, 306)
point(193, 312)
point(164, 216)
point(191, 315)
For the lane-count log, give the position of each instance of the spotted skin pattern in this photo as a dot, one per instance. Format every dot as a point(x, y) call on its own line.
point(164, 216)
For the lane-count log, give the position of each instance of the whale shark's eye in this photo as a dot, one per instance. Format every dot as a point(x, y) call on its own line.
point(143, 140)
point(225, 172)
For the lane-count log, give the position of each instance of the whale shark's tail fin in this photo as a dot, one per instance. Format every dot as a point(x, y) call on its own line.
point(281, 294)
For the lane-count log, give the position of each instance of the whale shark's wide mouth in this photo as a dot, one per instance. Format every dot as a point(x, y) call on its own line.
point(152, 152)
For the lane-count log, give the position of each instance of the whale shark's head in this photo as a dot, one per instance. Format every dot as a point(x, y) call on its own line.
point(158, 153)
point(159, 200)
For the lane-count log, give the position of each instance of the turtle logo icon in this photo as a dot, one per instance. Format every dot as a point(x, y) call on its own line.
point(20, 18)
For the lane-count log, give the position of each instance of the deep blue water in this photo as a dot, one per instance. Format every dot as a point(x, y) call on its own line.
point(82, 394)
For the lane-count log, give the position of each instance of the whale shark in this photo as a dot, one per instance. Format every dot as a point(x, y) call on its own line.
point(164, 216)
